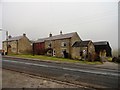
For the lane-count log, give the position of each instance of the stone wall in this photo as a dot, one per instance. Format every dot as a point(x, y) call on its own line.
point(58, 46)
point(75, 52)
point(12, 47)
point(91, 52)
point(4, 46)
point(24, 46)
point(91, 48)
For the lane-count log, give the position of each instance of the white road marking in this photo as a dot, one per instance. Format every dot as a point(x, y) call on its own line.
point(70, 69)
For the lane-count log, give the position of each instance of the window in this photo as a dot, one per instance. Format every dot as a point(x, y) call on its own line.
point(63, 44)
point(49, 45)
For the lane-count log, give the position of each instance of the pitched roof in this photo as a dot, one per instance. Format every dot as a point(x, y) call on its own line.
point(62, 36)
point(15, 38)
point(40, 40)
point(101, 43)
point(81, 43)
point(32, 41)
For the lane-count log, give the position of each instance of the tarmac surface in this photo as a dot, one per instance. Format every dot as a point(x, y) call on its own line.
point(93, 76)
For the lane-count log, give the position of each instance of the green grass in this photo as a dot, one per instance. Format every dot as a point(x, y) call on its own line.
point(41, 57)
point(109, 59)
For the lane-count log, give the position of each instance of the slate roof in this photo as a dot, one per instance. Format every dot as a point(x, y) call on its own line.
point(32, 41)
point(101, 43)
point(40, 40)
point(81, 43)
point(63, 36)
point(14, 38)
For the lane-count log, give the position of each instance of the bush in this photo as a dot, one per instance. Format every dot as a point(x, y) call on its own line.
point(97, 58)
point(116, 59)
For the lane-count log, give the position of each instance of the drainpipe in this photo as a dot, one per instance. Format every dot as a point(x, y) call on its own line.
point(7, 40)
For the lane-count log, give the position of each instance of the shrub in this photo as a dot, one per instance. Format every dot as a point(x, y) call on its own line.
point(116, 59)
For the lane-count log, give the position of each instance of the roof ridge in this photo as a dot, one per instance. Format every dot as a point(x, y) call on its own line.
point(100, 41)
point(16, 36)
point(60, 36)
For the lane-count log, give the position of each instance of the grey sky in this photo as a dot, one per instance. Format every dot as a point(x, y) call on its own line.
point(0, 25)
point(92, 20)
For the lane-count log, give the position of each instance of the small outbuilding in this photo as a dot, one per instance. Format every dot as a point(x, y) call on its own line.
point(39, 47)
point(103, 48)
point(84, 50)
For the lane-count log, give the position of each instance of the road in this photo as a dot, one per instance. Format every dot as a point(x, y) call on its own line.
point(79, 74)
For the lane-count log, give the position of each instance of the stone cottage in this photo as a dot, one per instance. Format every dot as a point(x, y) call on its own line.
point(17, 45)
point(57, 45)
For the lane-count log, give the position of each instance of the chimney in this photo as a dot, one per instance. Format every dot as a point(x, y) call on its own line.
point(9, 36)
point(50, 35)
point(24, 34)
point(60, 32)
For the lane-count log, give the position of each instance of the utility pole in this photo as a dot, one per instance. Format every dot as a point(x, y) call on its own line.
point(7, 40)
point(32, 44)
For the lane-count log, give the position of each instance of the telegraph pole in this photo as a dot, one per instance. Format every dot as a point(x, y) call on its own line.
point(7, 40)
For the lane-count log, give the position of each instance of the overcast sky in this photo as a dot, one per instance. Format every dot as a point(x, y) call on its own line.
point(96, 21)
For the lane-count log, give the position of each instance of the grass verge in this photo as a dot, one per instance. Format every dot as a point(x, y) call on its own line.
point(42, 57)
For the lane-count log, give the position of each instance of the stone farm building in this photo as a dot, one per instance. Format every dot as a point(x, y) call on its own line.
point(58, 45)
point(17, 45)
point(67, 45)
point(84, 50)
point(103, 48)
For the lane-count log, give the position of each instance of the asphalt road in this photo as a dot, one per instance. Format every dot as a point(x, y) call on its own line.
point(79, 74)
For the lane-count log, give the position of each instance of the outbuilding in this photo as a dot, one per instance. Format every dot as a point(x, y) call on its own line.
point(85, 50)
point(39, 47)
point(103, 48)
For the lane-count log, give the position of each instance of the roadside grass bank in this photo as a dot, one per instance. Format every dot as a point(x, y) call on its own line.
point(109, 59)
point(66, 60)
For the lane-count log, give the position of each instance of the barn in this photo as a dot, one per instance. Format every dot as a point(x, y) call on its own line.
point(84, 50)
point(103, 48)
point(39, 47)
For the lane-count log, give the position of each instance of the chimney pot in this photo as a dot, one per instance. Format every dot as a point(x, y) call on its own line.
point(9, 36)
point(60, 32)
point(24, 34)
point(50, 35)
